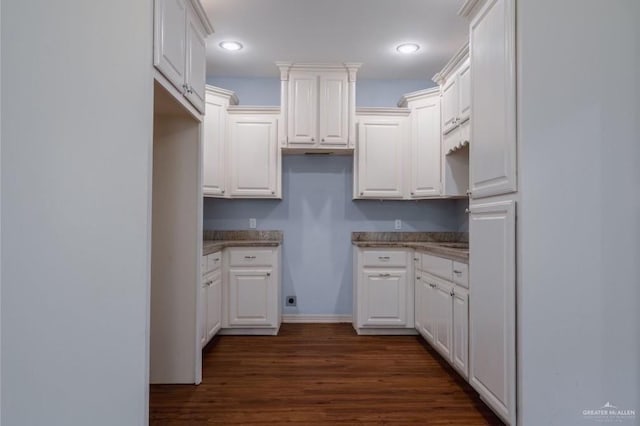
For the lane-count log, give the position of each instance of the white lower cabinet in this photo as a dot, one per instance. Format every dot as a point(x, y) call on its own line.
point(384, 294)
point(383, 291)
point(214, 307)
point(442, 314)
point(251, 290)
point(492, 313)
point(252, 298)
point(210, 297)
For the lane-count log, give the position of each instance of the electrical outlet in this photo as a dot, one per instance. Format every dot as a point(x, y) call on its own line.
point(291, 301)
point(252, 223)
point(398, 224)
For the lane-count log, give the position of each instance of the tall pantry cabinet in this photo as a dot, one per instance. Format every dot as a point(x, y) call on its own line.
point(493, 197)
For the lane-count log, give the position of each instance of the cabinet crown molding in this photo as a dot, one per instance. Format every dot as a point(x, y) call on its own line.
point(383, 111)
point(202, 14)
point(250, 109)
point(413, 96)
point(460, 56)
point(318, 66)
point(469, 7)
point(218, 91)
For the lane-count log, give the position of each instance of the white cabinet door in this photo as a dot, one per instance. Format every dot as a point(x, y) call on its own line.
point(383, 298)
point(196, 61)
point(418, 291)
point(334, 110)
point(464, 91)
point(214, 307)
point(492, 154)
point(428, 307)
point(203, 312)
point(253, 155)
point(380, 150)
point(443, 308)
point(449, 104)
point(425, 148)
point(460, 354)
point(213, 154)
point(252, 298)
point(170, 40)
point(303, 109)
point(492, 314)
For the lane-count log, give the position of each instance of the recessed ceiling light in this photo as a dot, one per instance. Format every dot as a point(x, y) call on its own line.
point(408, 48)
point(231, 45)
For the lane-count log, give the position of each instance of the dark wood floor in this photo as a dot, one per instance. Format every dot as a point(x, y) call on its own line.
point(321, 374)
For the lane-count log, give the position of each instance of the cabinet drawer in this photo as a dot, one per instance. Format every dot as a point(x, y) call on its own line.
point(251, 257)
point(203, 265)
point(437, 266)
point(214, 260)
point(384, 258)
point(461, 274)
point(211, 277)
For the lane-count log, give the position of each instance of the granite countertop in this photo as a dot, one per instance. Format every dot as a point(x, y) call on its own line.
point(451, 245)
point(217, 240)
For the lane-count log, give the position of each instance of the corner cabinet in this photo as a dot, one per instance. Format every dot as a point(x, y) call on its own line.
point(379, 161)
point(180, 31)
point(493, 96)
point(318, 105)
point(254, 161)
point(383, 291)
point(214, 141)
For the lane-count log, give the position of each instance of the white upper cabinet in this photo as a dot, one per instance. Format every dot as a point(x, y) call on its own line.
point(450, 104)
point(254, 158)
point(334, 109)
point(180, 30)
point(170, 37)
point(196, 73)
point(492, 313)
point(303, 108)
point(493, 97)
point(214, 140)
point(425, 147)
point(464, 91)
point(382, 140)
point(319, 105)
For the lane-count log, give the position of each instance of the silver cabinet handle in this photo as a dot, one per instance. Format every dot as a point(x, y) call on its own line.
point(452, 293)
point(384, 257)
point(467, 211)
point(417, 278)
point(384, 275)
point(249, 257)
point(217, 259)
point(469, 192)
point(457, 272)
point(432, 285)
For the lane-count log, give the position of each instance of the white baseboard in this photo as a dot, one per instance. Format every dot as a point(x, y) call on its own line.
point(318, 319)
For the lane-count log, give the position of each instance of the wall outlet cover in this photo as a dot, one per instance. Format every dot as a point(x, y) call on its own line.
point(252, 223)
point(398, 224)
point(291, 301)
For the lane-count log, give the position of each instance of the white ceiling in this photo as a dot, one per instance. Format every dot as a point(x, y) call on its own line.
point(366, 31)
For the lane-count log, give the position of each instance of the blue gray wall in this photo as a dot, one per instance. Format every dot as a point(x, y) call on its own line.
point(317, 216)
point(369, 93)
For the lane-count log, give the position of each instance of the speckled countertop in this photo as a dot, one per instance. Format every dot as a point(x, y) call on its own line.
point(217, 240)
point(451, 245)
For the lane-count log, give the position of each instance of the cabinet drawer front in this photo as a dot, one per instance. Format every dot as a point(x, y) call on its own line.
point(384, 258)
point(437, 266)
point(251, 257)
point(461, 274)
point(214, 260)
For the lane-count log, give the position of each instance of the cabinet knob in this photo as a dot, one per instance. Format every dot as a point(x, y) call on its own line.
point(268, 274)
point(467, 211)
point(417, 278)
point(469, 192)
point(362, 193)
point(313, 139)
point(322, 139)
point(273, 192)
point(222, 192)
point(452, 293)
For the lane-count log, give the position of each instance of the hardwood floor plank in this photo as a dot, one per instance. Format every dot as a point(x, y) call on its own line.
point(321, 374)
